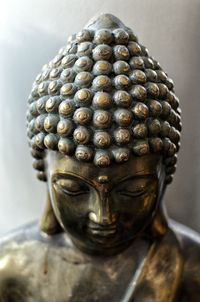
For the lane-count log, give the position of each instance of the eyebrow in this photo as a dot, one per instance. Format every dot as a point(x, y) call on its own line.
point(92, 183)
point(131, 177)
point(71, 175)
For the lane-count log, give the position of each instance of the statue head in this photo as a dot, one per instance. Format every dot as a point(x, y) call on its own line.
point(104, 128)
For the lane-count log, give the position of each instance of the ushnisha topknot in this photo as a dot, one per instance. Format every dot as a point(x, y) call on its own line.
point(103, 99)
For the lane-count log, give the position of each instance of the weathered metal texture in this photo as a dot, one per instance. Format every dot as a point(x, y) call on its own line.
point(104, 125)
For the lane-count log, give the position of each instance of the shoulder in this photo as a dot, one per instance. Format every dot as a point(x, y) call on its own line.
point(27, 260)
point(16, 249)
point(28, 231)
point(29, 237)
point(16, 243)
point(31, 233)
point(27, 246)
point(23, 248)
point(189, 241)
point(190, 247)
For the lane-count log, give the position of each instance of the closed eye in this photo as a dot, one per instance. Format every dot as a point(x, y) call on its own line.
point(72, 193)
point(71, 187)
point(135, 193)
point(134, 187)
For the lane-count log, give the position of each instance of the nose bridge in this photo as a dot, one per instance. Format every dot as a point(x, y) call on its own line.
point(102, 212)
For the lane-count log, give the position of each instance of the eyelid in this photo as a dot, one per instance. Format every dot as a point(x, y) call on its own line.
point(81, 189)
point(133, 193)
point(72, 193)
point(136, 190)
point(68, 182)
point(132, 181)
point(71, 176)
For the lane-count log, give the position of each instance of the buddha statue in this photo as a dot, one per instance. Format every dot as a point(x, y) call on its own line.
point(103, 126)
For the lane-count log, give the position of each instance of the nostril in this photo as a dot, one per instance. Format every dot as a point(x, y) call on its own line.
point(104, 221)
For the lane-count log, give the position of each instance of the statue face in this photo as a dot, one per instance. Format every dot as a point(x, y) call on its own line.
point(103, 209)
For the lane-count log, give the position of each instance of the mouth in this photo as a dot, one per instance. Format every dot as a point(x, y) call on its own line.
point(102, 231)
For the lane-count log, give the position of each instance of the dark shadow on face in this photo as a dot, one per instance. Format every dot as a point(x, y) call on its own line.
point(103, 209)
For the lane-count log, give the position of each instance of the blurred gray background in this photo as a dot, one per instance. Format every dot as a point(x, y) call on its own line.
point(31, 32)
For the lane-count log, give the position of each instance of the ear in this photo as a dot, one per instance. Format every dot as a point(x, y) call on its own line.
point(159, 225)
point(49, 223)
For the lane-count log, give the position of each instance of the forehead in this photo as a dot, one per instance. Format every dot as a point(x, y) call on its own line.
point(56, 163)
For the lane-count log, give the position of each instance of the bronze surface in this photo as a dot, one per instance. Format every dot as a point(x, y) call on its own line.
point(104, 128)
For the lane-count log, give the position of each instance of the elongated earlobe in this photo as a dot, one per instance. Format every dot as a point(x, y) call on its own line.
point(49, 224)
point(159, 226)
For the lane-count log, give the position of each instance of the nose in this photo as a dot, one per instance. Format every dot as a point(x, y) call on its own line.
point(102, 212)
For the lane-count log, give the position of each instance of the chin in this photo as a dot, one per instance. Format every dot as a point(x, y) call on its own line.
point(104, 245)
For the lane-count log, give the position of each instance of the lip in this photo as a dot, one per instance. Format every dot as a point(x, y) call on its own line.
point(102, 232)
